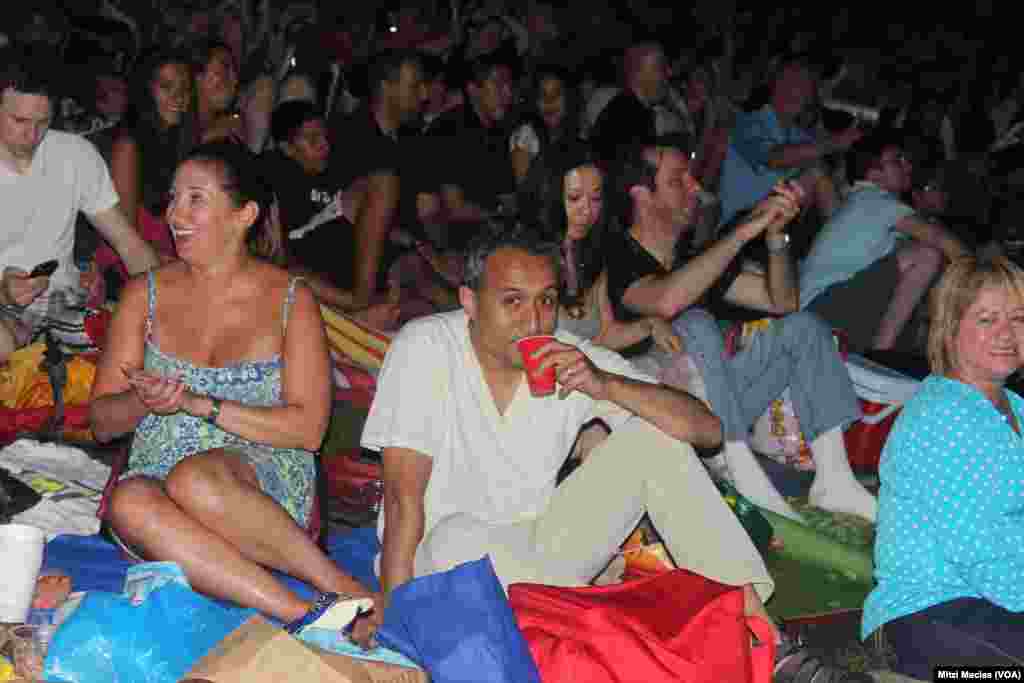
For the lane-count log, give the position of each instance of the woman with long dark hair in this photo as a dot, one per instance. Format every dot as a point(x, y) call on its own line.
point(158, 131)
point(572, 210)
point(550, 127)
point(216, 83)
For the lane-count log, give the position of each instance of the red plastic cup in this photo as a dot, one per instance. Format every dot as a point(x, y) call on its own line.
point(542, 382)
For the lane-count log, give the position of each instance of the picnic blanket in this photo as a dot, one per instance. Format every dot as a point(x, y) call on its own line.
point(357, 352)
point(821, 568)
point(69, 481)
point(483, 644)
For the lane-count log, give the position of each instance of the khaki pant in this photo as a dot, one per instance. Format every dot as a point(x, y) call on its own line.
point(637, 469)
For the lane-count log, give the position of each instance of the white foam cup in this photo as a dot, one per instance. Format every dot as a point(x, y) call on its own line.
point(21, 557)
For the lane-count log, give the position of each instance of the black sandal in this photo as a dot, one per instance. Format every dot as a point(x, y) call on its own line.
point(795, 663)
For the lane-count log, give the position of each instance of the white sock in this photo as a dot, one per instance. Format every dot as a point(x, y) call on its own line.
point(835, 487)
point(753, 483)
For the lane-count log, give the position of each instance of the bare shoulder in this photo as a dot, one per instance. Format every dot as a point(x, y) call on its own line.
point(134, 292)
point(269, 285)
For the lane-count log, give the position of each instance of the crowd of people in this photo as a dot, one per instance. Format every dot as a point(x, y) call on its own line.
point(475, 191)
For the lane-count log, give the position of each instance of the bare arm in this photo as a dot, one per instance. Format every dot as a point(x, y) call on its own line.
point(115, 408)
point(665, 296)
point(137, 254)
point(124, 171)
point(301, 421)
point(324, 291)
point(372, 227)
point(935, 235)
point(803, 154)
point(615, 334)
point(776, 292)
point(406, 474)
point(520, 163)
point(674, 412)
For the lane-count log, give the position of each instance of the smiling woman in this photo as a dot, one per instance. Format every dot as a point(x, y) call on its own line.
point(158, 130)
point(218, 362)
point(952, 477)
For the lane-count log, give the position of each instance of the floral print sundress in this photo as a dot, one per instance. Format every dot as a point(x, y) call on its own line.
point(162, 441)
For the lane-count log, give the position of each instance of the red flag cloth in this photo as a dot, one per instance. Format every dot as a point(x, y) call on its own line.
point(674, 626)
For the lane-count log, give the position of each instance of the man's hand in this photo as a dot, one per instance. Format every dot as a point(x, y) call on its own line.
point(575, 372)
point(20, 289)
point(774, 212)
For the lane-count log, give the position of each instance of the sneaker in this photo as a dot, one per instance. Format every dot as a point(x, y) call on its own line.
point(796, 663)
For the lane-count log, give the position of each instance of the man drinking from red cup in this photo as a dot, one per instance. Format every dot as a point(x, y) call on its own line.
point(470, 457)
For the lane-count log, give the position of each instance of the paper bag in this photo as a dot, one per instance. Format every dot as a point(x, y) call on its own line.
point(259, 652)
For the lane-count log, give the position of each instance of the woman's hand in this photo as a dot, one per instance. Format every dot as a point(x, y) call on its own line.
point(364, 631)
point(664, 336)
point(161, 395)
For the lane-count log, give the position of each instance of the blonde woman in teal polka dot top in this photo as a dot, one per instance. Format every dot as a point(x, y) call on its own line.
point(949, 554)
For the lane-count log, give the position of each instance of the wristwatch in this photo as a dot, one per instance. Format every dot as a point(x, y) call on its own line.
point(776, 243)
point(214, 413)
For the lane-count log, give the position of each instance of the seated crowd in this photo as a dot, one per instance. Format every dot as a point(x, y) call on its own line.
point(464, 222)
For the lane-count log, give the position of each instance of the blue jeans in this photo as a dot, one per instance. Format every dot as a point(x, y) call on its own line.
point(796, 351)
point(961, 632)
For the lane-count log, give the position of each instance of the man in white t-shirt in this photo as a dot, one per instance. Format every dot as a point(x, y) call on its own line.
point(46, 178)
point(470, 457)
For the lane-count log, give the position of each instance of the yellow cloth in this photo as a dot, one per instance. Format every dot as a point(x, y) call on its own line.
point(24, 384)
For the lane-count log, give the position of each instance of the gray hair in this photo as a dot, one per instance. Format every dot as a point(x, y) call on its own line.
point(511, 235)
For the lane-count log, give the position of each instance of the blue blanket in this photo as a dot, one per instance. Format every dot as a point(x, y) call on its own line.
point(456, 624)
point(93, 563)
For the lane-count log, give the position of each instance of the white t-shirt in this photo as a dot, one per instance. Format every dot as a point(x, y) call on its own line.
point(39, 209)
point(432, 398)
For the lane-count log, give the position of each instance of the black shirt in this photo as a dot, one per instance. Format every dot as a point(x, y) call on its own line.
point(624, 122)
point(629, 262)
point(360, 148)
point(327, 249)
point(471, 156)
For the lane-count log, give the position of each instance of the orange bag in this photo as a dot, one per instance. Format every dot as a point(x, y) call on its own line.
point(673, 626)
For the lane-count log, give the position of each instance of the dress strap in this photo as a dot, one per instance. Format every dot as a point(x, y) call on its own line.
point(151, 298)
point(289, 299)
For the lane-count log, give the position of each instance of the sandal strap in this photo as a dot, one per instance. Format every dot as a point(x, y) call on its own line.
point(323, 602)
point(788, 668)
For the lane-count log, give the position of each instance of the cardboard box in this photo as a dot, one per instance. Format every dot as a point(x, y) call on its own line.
point(259, 652)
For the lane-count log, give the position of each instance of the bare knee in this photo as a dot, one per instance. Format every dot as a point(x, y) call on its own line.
point(200, 482)
point(134, 503)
